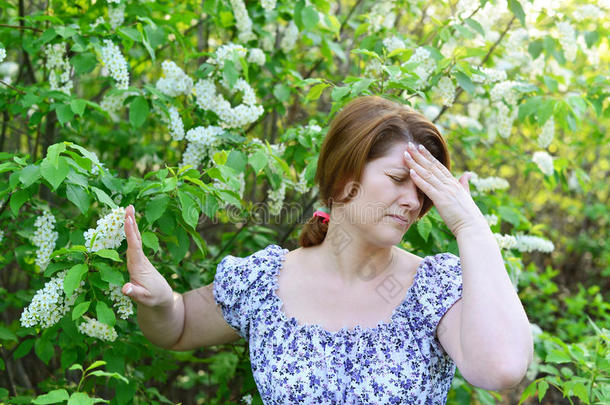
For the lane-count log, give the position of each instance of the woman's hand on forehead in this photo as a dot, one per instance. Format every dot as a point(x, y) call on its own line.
point(450, 196)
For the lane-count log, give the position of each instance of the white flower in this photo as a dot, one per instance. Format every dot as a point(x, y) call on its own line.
point(242, 20)
point(504, 91)
point(528, 243)
point(491, 219)
point(59, 68)
point(114, 1)
point(504, 119)
point(393, 43)
point(489, 76)
point(176, 127)
point(314, 128)
point(488, 183)
point(205, 91)
point(111, 103)
point(374, 67)
point(193, 155)
point(115, 62)
point(567, 39)
point(1, 235)
point(268, 5)
point(8, 69)
point(228, 52)
point(116, 15)
point(2, 54)
point(248, 398)
point(109, 232)
point(466, 7)
point(98, 21)
point(268, 37)
point(446, 90)
point(505, 241)
point(94, 328)
point(256, 56)
point(544, 161)
point(175, 82)
point(122, 303)
point(289, 38)
point(587, 11)
point(44, 238)
point(426, 64)
point(276, 198)
point(547, 134)
point(382, 15)
point(301, 186)
point(49, 304)
point(206, 136)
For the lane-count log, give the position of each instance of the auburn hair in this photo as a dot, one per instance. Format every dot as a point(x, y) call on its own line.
point(364, 130)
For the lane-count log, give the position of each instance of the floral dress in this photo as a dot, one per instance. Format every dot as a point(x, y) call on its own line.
point(398, 362)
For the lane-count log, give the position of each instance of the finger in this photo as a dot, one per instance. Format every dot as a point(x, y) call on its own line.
point(423, 185)
point(134, 245)
point(464, 181)
point(133, 217)
point(423, 172)
point(136, 292)
point(435, 163)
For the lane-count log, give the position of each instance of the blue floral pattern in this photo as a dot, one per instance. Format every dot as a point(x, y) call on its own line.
point(398, 362)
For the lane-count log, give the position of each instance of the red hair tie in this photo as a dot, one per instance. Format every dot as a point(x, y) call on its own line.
point(324, 215)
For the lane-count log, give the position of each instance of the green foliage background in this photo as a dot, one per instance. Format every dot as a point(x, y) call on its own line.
point(192, 217)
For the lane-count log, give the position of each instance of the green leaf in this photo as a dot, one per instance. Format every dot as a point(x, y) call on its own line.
point(310, 18)
point(339, 92)
point(517, 10)
point(55, 176)
point(105, 314)
point(298, 14)
point(52, 397)
point(17, 200)
point(591, 38)
point(528, 392)
point(23, 349)
point(84, 63)
point(156, 207)
point(80, 309)
point(103, 197)
point(109, 254)
point(79, 197)
point(281, 92)
point(53, 153)
point(6, 334)
point(64, 114)
point(475, 26)
point(95, 364)
point(557, 356)
point(29, 174)
point(101, 373)
point(257, 160)
point(110, 274)
point(580, 390)
point(230, 73)
point(316, 91)
point(542, 387)
point(190, 209)
point(73, 278)
point(44, 350)
point(465, 82)
point(78, 106)
point(535, 48)
point(138, 111)
point(150, 240)
point(82, 398)
point(424, 226)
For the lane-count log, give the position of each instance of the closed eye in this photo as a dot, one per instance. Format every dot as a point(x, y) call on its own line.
point(398, 180)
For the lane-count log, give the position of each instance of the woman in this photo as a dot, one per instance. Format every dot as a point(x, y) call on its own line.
point(349, 317)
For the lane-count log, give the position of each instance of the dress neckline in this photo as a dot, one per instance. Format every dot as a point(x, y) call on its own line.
point(279, 304)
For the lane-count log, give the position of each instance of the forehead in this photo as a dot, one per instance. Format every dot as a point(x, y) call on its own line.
point(393, 158)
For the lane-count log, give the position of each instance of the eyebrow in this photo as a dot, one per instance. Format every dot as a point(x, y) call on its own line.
point(402, 168)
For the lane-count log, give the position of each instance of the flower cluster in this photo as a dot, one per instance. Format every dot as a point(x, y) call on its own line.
point(176, 127)
point(268, 5)
point(109, 232)
point(94, 328)
point(115, 62)
point(465, 8)
point(175, 82)
point(382, 15)
point(267, 37)
point(122, 303)
point(505, 241)
point(528, 243)
point(544, 161)
point(548, 132)
point(426, 65)
point(301, 186)
point(446, 90)
point(228, 51)
point(256, 56)
point(8, 70)
point(374, 67)
point(59, 67)
point(44, 238)
point(289, 38)
point(489, 76)
point(201, 139)
point(491, 219)
point(1, 235)
point(2, 54)
point(488, 183)
point(587, 11)
point(393, 43)
point(567, 39)
point(116, 15)
point(503, 92)
point(111, 103)
point(49, 303)
point(243, 21)
point(276, 199)
point(230, 117)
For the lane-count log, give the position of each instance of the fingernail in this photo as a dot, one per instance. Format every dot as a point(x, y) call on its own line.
point(411, 145)
point(421, 147)
point(129, 290)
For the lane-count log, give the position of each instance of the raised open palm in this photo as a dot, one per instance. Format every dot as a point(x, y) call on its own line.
point(146, 285)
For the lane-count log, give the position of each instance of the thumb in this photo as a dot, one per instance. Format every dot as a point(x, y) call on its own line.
point(464, 181)
point(134, 291)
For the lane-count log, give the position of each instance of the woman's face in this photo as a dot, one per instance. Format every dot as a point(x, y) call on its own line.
point(386, 189)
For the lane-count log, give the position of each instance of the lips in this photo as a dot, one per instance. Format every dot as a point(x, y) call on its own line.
point(399, 218)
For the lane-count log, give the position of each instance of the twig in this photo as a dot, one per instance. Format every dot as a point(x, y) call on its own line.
point(12, 87)
point(21, 27)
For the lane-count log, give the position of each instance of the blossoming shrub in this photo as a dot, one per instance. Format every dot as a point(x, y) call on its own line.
point(208, 118)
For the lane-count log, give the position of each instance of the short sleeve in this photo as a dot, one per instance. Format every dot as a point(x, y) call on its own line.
point(235, 288)
point(439, 287)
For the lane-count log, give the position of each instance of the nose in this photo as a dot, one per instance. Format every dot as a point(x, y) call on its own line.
point(410, 196)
